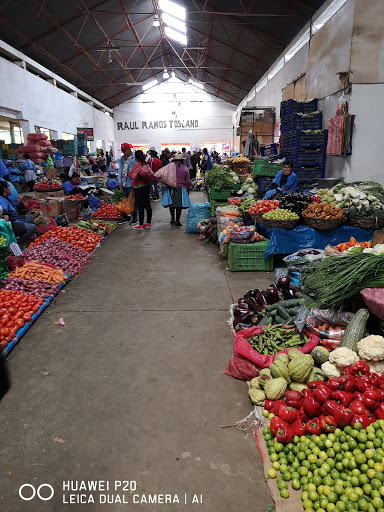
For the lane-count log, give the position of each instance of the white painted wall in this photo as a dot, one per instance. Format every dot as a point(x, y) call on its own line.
point(172, 101)
point(28, 97)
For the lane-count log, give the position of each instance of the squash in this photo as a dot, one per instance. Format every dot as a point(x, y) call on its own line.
point(257, 396)
point(320, 355)
point(316, 374)
point(297, 386)
point(300, 368)
point(275, 388)
point(280, 369)
point(282, 357)
point(264, 376)
point(355, 330)
point(294, 352)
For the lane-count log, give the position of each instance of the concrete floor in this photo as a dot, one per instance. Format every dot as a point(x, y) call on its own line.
point(134, 382)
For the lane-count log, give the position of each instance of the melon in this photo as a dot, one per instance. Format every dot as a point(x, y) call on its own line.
point(320, 355)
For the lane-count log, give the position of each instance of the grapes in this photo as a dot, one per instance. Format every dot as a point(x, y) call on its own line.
point(281, 214)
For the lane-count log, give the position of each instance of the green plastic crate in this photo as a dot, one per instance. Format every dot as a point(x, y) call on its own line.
point(224, 193)
point(249, 257)
point(216, 204)
point(263, 168)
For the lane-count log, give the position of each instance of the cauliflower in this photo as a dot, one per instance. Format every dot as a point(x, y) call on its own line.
point(343, 356)
point(376, 366)
point(371, 348)
point(330, 370)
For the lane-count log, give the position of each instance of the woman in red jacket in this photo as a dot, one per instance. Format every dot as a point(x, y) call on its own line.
point(141, 188)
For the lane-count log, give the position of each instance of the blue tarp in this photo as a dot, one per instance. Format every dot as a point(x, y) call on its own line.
point(288, 241)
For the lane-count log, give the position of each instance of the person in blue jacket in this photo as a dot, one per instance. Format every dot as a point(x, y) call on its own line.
point(23, 227)
point(3, 170)
point(285, 181)
point(112, 182)
point(14, 173)
point(13, 196)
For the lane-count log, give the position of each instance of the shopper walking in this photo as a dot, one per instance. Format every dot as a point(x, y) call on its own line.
point(109, 160)
point(195, 162)
point(141, 189)
point(165, 156)
point(155, 164)
point(177, 199)
point(29, 172)
point(187, 160)
point(102, 161)
point(206, 162)
point(126, 163)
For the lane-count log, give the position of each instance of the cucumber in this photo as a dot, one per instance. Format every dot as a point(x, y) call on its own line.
point(280, 320)
point(290, 303)
point(272, 313)
point(293, 311)
point(282, 312)
point(267, 320)
point(307, 298)
point(355, 330)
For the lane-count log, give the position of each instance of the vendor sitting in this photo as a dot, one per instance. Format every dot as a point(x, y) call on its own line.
point(285, 181)
point(23, 227)
point(112, 182)
point(14, 173)
point(71, 186)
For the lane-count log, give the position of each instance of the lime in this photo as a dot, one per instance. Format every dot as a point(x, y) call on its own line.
point(375, 483)
point(307, 504)
point(367, 489)
point(362, 505)
point(279, 447)
point(355, 481)
point(333, 497)
point(340, 505)
point(271, 473)
point(313, 496)
point(338, 489)
point(353, 496)
point(371, 473)
point(276, 465)
point(356, 426)
point(360, 458)
point(274, 457)
point(296, 484)
point(284, 493)
point(282, 485)
point(295, 475)
point(287, 475)
point(377, 503)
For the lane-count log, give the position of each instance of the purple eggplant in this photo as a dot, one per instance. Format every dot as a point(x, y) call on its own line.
point(272, 295)
point(288, 294)
point(261, 298)
point(239, 311)
point(243, 319)
point(254, 306)
point(240, 327)
point(251, 293)
point(284, 282)
point(256, 319)
point(242, 302)
point(294, 288)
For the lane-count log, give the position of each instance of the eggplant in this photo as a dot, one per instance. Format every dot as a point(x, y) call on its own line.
point(256, 319)
point(242, 302)
point(240, 327)
point(284, 282)
point(272, 295)
point(251, 293)
point(261, 298)
point(254, 305)
point(288, 294)
point(294, 288)
point(243, 319)
point(237, 311)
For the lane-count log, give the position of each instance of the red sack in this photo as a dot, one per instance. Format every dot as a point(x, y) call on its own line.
point(243, 349)
point(44, 144)
point(14, 262)
point(43, 229)
point(241, 369)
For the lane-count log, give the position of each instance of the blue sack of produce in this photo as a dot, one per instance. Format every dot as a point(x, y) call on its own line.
point(196, 213)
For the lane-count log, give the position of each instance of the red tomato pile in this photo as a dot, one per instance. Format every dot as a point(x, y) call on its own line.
point(264, 206)
point(74, 196)
point(47, 185)
point(235, 201)
point(78, 237)
point(106, 211)
point(16, 308)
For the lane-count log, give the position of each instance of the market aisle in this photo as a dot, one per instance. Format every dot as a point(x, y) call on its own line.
point(134, 383)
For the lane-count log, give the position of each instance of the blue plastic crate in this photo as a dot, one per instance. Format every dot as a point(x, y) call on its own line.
point(264, 184)
point(300, 139)
point(307, 157)
point(305, 122)
point(269, 150)
point(293, 106)
point(309, 173)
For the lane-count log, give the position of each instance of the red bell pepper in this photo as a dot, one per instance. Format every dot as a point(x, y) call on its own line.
point(313, 426)
point(346, 371)
point(322, 394)
point(362, 418)
point(287, 413)
point(298, 427)
point(328, 423)
point(348, 383)
point(358, 395)
point(310, 404)
point(371, 416)
point(358, 408)
point(375, 379)
point(294, 399)
point(342, 415)
point(381, 394)
point(371, 398)
point(284, 434)
point(269, 405)
point(360, 368)
point(276, 423)
point(363, 383)
point(333, 384)
point(303, 415)
point(342, 397)
point(314, 384)
point(329, 407)
point(277, 404)
point(380, 411)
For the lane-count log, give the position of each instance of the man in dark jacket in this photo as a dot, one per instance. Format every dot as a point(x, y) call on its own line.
point(165, 156)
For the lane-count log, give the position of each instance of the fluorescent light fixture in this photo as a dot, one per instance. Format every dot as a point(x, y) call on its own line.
point(156, 21)
point(165, 74)
point(131, 84)
point(196, 84)
point(176, 36)
point(174, 23)
point(172, 8)
point(150, 84)
point(173, 74)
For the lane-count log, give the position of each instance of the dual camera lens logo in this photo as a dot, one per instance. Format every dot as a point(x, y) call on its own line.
point(27, 492)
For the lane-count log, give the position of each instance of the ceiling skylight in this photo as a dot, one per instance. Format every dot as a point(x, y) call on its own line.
point(150, 84)
point(173, 17)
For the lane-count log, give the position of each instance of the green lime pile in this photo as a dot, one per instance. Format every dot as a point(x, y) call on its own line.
point(281, 214)
point(3, 241)
point(337, 472)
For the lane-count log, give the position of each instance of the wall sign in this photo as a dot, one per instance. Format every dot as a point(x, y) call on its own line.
point(88, 132)
point(156, 125)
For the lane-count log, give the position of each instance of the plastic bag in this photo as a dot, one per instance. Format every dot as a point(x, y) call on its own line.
point(243, 349)
point(304, 256)
point(7, 231)
point(241, 233)
point(167, 175)
point(196, 213)
point(330, 251)
point(319, 317)
point(374, 300)
point(127, 205)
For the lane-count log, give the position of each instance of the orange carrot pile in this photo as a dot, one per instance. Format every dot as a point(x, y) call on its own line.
point(35, 270)
point(352, 243)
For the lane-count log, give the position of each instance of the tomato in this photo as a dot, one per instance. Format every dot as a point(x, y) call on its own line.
point(9, 324)
point(27, 317)
point(3, 344)
point(4, 331)
point(19, 314)
point(19, 323)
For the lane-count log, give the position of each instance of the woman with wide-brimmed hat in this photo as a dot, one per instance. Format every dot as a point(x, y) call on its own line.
point(177, 199)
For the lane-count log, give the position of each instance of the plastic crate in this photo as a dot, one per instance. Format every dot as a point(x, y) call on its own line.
point(292, 106)
point(216, 204)
point(264, 184)
point(303, 140)
point(306, 157)
point(300, 122)
point(263, 168)
point(269, 150)
point(249, 257)
point(309, 174)
point(223, 194)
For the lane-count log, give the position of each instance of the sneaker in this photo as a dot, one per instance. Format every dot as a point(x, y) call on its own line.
point(122, 221)
point(133, 221)
point(148, 226)
point(172, 222)
point(138, 227)
point(178, 224)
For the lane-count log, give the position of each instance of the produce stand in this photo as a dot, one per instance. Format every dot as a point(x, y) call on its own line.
point(287, 241)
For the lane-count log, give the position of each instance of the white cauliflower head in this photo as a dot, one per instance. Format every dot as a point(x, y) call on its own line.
point(343, 356)
point(330, 370)
point(371, 348)
point(376, 366)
